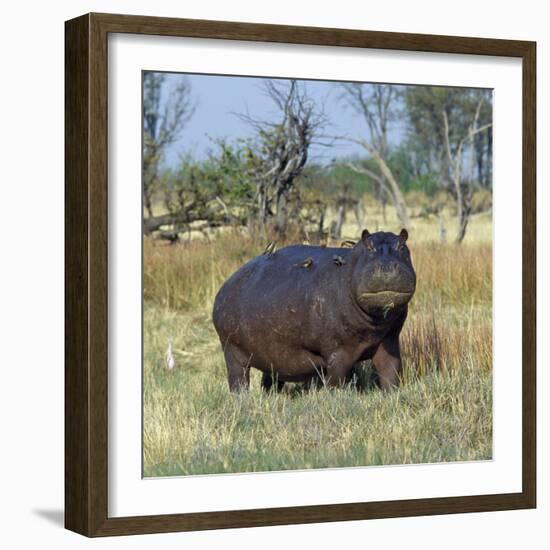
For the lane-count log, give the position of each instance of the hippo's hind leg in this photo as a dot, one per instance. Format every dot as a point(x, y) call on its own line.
point(238, 368)
point(267, 382)
point(338, 370)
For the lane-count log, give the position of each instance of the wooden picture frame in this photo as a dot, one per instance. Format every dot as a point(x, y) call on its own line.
point(86, 294)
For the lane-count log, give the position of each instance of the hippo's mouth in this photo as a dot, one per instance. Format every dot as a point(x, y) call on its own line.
point(386, 294)
point(385, 299)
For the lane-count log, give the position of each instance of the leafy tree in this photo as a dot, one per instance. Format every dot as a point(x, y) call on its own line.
point(424, 108)
point(163, 121)
point(216, 191)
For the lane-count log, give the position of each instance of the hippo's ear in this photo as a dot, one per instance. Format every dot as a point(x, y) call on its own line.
point(365, 235)
point(403, 236)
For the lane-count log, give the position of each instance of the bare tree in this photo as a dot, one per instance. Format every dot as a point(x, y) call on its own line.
point(462, 186)
point(280, 151)
point(375, 103)
point(163, 120)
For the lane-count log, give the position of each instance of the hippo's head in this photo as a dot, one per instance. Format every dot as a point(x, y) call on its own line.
point(383, 276)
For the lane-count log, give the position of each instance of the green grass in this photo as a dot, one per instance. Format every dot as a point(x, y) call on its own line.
point(442, 411)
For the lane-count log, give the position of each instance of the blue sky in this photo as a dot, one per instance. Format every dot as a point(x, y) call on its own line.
point(217, 98)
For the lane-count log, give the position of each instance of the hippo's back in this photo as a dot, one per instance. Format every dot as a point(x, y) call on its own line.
point(272, 285)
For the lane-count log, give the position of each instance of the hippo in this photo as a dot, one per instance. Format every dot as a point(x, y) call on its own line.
point(304, 312)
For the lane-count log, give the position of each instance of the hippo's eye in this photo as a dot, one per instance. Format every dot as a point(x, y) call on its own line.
point(399, 246)
point(369, 246)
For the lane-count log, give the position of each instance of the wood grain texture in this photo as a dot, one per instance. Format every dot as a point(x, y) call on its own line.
point(529, 276)
point(86, 279)
point(165, 26)
point(77, 459)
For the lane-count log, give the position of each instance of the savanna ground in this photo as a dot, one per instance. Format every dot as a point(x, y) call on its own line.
point(441, 412)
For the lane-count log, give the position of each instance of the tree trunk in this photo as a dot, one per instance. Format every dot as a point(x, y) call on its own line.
point(338, 223)
point(391, 188)
point(359, 211)
point(488, 175)
point(321, 227)
point(148, 203)
point(282, 213)
point(463, 191)
point(480, 157)
point(397, 196)
point(459, 205)
point(262, 206)
point(153, 223)
point(464, 211)
point(442, 229)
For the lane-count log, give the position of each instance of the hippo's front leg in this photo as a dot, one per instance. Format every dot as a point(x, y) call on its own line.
point(267, 383)
point(387, 362)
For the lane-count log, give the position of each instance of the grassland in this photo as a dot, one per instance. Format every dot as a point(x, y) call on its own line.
point(442, 412)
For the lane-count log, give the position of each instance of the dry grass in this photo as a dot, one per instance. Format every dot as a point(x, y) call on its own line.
point(442, 412)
